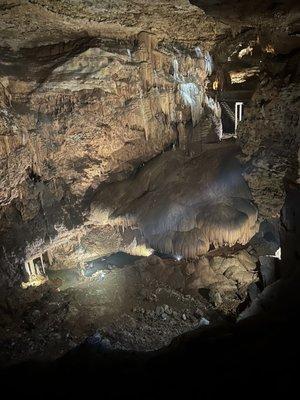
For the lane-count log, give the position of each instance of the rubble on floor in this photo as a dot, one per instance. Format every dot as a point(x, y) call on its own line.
point(141, 306)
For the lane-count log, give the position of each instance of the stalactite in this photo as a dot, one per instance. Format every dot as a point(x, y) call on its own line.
point(176, 76)
point(198, 52)
point(192, 96)
point(144, 116)
point(6, 144)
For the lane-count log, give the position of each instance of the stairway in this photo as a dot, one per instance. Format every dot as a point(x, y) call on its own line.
point(228, 110)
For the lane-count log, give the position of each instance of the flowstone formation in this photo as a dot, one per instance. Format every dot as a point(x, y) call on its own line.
point(182, 206)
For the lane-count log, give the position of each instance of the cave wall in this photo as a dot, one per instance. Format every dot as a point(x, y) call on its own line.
point(90, 92)
point(269, 138)
point(85, 100)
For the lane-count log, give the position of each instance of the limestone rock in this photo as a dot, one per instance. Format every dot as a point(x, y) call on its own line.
point(102, 98)
point(193, 203)
point(238, 268)
point(203, 275)
point(268, 135)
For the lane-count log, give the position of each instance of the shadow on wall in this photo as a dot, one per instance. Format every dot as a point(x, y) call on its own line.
point(243, 9)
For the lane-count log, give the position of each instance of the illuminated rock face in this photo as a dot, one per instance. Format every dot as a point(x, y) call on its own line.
point(182, 206)
point(82, 104)
point(81, 101)
point(99, 112)
point(89, 91)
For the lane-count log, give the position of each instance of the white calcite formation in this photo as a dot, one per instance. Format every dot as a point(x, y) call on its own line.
point(182, 206)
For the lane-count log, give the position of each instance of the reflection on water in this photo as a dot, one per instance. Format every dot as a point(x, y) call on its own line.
point(71, 277)
point(116, 260)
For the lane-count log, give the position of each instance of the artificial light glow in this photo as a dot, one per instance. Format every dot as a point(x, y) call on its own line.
point(278, 253)
point(243, 74)
point(34, 281)
point(204, 322)
point(215, 84)
point(246, 51)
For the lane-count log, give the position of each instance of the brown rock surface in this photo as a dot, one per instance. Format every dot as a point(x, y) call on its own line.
point(90, 91)
point(87, 95)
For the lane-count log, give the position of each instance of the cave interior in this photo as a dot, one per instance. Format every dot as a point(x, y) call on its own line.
point(149, 197)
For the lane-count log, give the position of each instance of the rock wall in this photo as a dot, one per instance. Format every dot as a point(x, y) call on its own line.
point(269, 137)
point(89, 92)
point(84, 103)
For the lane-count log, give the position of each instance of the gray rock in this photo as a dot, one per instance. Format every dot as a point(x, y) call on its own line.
point(215, 298)
point(94, 340)
point(167, 309)
point(198, 313)
point(159, 310)
point(267, 269)
point(253, 291)
point(55, 336)
point(36, 313)
point(106, 343)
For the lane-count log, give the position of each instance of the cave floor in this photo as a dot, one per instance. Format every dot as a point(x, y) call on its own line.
point(139, 307)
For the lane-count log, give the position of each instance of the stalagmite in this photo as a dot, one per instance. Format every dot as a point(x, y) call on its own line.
point(176, 71)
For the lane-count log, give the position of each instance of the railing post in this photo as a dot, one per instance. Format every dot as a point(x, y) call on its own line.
point(238, 114)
